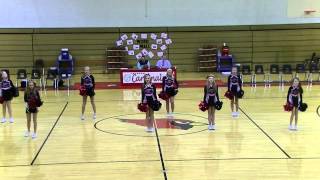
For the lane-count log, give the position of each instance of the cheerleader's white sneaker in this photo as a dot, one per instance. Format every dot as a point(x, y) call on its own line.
point(11, 120)
point(3, 120)
point(27, 134)
point(34, 135)
point(295, 128)
point(213, 127)
point(234, 114)
point(94, 116)
point(290, 127)
point(82, 117)
point(149, 130)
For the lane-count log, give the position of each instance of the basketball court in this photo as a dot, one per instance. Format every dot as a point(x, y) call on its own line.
point(257, 145)
point(109, 49)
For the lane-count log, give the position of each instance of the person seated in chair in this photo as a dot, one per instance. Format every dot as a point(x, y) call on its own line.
point(163, 63)
point(143, 63)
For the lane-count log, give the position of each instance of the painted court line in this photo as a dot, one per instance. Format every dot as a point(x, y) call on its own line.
point(265, 133)
point(44, 142)
point(160, 152)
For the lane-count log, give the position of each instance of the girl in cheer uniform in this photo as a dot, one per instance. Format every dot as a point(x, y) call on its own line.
point(7, 90)
point(294, 98)
point(149, 96)
point(87, 81)
point(211, 97)
point(32, 102)
point(170, 87)
point(235, 88)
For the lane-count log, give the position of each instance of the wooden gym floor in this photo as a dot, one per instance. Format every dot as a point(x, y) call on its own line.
point(257, 145)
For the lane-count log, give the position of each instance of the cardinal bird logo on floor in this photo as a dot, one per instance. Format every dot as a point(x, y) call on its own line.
point(163, 123)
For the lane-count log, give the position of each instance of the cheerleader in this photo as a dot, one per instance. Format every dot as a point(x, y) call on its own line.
point(7, 95)
point(32, 102)
point(170, 87)
point(211, 97)
point(294, 98)
point(149, 96)
point(234, 87)
point(87, 81)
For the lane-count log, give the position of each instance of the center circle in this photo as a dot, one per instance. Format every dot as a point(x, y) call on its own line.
point(134, 125)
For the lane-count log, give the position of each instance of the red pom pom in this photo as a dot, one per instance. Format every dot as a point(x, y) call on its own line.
point(32, 103)
point(1, 100)
point(163, 95)
point(229, 95)
point(83, 91)
point(143, 107)
point(288, 107)
point(203, 106)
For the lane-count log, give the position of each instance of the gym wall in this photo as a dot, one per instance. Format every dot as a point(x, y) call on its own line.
point(249, 44)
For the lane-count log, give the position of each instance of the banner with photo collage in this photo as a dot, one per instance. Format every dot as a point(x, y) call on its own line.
point(151, 45)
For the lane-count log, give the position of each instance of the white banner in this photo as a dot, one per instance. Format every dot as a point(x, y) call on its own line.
point(137, 77)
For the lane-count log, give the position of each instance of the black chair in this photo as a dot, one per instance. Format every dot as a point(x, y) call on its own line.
point(274, 69)
point(22, 76)
point(39, 64)
point(246, 70)
point(64, 75)
point(286, 69)
point(258, 70)
point(37, 75)
point(52, 75)
point(300, 68)
point(313, 68)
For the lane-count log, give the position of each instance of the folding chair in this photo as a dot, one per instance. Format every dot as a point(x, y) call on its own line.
point(64, 75)
point(286, 70)
point(246, 70)
point(258, 70)
point(37, 75)
point(274, 70)
point(39, 64)
point(52, 75)
point(300, 69)
point(22, 76)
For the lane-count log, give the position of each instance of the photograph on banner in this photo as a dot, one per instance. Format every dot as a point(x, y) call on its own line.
point(159, 41)
point(164, 35)
point(136, 47)
point(124, 37)
point(119, 43)
point(153, 36)
point(154, 46)
point(129, 42)
point(144, 36)
point(134, 36)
